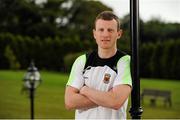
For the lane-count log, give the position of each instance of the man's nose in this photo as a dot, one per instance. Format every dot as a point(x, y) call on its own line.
point(105, 33)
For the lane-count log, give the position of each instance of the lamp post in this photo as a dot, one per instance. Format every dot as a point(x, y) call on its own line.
point(136, 109)
point(31, 81)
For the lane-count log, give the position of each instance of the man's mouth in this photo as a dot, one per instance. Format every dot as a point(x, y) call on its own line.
point(105, 40)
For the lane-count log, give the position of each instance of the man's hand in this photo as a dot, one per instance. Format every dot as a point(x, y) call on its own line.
point(83, 90)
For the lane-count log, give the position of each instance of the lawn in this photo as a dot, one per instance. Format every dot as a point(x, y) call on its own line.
point(49, 97)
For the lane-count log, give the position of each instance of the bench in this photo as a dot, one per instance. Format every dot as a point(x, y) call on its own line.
point(155, 94)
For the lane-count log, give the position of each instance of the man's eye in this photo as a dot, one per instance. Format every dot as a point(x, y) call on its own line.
point(101, 30)
point(110, 30)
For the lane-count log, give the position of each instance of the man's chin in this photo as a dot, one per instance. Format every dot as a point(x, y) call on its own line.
point(105, 47)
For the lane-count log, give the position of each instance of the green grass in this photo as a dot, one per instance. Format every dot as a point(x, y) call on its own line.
point(49, 97)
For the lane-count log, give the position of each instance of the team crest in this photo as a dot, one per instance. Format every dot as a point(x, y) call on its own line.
point(107, 78)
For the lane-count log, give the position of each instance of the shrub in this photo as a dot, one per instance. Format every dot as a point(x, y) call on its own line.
point(69, 60)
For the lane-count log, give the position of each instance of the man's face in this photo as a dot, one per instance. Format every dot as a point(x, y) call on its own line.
point(106, 34)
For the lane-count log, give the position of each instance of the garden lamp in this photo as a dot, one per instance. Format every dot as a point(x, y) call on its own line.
point(32, 78)
point(31, 81)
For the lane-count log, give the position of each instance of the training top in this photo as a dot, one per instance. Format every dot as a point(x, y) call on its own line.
point(101, 74)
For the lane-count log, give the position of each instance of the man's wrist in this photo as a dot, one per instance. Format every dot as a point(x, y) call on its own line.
point(84, 90)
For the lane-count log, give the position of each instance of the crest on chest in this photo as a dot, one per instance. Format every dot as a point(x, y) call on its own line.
point(107, 77)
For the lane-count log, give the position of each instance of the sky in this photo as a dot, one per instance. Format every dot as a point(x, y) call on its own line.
point(165, 10)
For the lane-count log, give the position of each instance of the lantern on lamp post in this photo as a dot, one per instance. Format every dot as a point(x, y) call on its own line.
point(32, 79)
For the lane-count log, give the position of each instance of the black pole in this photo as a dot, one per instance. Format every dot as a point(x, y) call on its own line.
point(32, 100)
point(135, 109)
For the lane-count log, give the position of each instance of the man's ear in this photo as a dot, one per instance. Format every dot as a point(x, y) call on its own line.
point(94, 33)
point(120, 32)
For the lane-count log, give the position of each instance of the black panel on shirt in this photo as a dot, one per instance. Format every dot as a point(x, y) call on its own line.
point(93, 60)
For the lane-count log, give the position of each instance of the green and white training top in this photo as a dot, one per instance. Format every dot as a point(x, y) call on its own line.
point(101, 74)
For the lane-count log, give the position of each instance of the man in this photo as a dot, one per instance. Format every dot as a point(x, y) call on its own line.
point(100, 82)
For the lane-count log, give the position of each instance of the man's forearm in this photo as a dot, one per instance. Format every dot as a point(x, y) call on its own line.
point(111, 99)
point(75, 100)
point(105, 99)
point(78, 101)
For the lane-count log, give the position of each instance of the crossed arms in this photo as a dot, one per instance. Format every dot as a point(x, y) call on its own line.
point(87, 97)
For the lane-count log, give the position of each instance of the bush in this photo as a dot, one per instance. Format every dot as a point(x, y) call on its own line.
point(160, 60)
point(69, 60)
point(13, 63)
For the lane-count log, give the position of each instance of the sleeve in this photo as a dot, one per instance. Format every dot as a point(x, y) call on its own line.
point(124, 72)
point(76, 79)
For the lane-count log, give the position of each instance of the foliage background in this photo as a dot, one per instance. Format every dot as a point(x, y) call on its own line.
point(51, 31)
